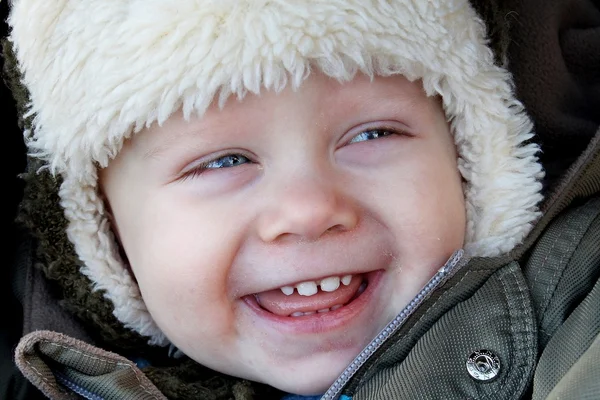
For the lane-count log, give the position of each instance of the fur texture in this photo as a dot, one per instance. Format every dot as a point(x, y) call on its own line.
point(100, 71)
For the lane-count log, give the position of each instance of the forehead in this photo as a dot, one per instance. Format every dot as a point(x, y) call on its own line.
point(322, 97)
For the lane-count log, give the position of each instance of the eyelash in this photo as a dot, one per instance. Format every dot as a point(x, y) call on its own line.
point(379, 132)
point(203, 167)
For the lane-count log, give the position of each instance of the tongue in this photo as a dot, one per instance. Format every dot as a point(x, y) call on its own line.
point(278, 303)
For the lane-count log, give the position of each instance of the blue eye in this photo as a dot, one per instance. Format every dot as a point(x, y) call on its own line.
point(370, 135)
point(227, 161)
point(230, 160)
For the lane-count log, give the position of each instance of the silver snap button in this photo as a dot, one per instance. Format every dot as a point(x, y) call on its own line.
point(483, 365)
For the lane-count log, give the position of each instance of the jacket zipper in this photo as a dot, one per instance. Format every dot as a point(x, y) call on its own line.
point(437, 280)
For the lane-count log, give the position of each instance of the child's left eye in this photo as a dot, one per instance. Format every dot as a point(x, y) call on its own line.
point(230, 160)
point(371, 134)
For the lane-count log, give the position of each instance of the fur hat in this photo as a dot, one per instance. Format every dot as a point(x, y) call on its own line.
point(100, 71)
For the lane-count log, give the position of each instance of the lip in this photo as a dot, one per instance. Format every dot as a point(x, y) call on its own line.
point(320, 322)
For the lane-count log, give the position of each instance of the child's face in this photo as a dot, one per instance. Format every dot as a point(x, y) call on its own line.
point(219, 213)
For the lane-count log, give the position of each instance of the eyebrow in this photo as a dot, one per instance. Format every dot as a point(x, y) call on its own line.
point(156, 151)
point(397, 102)
point(168, 140)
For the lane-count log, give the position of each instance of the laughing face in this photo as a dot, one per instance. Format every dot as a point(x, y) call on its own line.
point(272, 239)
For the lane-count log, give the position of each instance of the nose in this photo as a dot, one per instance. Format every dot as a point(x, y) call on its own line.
point(306, 208)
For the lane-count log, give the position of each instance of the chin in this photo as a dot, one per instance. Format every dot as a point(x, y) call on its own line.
point(306, 384)
point(311, 376)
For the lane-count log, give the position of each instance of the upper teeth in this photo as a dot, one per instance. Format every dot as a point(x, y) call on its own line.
point(309, 288)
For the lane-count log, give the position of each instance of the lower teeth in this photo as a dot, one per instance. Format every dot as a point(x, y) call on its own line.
point(324, 310)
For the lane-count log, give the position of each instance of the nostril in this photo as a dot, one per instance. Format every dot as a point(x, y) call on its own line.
point(336, 228)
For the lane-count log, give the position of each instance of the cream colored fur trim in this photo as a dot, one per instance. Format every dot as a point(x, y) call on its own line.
point(101, 70)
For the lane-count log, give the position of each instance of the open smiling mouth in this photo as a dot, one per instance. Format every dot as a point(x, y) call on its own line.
point(308, 298)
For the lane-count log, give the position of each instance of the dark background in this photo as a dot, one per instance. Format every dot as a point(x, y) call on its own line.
point(12, 386)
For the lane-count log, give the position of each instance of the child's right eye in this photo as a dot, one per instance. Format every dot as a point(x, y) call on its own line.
point(226, 161)
point(230, 160)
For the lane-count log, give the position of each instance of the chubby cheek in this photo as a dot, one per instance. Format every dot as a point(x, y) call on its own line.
point(422, 203)
point(181, 259)
point(437, 221)
point(428, 225)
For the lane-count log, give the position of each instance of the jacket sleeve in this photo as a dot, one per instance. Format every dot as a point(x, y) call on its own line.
point(581, 381)
point(563, 273)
